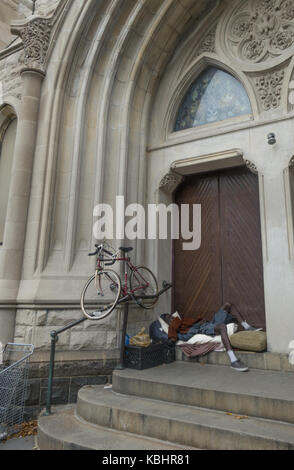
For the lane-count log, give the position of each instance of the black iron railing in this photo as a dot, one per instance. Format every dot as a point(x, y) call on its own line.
point(55, 334)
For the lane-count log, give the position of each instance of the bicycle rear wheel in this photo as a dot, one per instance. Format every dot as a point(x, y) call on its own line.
point(101, 294)
point(144, 286)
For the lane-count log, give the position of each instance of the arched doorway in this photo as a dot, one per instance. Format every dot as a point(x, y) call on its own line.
point(228, 266)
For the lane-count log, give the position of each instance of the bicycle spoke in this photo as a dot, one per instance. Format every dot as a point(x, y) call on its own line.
point(101, 295)
point(144, 287)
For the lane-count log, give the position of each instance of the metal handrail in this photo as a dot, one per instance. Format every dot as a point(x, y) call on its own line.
point(54, 338)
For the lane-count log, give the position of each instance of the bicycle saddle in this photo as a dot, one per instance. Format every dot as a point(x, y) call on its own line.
point(126, 250)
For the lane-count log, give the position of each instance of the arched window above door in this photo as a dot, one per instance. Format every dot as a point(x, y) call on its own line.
point(215, 96)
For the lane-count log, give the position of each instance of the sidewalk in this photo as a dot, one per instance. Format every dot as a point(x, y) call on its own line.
point(21, 443)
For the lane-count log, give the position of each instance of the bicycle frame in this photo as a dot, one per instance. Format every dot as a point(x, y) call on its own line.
point(142, 285)
point(129, 267)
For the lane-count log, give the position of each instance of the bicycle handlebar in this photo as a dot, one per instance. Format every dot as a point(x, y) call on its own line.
point(93, 254)
point(100, 248)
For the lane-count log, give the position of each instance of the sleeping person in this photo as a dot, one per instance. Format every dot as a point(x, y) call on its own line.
point(184, 329)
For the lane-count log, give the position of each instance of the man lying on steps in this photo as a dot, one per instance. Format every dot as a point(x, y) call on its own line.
point(184, 328)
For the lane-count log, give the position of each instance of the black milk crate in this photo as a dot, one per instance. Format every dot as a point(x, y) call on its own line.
point(140, 358)
point(169, 353)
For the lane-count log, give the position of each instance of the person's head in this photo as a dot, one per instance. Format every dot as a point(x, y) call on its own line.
point(227, 306)
point(167, 317)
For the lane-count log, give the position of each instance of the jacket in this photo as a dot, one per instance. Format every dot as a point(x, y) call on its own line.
point(181, 325)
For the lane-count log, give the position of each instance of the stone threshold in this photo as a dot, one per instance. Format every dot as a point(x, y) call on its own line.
point(263, 361)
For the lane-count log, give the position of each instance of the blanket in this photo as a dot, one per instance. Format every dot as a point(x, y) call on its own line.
point(196, 350)
point(201, 339)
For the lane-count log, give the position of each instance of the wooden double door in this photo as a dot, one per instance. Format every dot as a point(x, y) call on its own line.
point(228, 266)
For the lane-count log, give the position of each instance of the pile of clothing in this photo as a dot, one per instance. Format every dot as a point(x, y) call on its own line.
point(194, 337)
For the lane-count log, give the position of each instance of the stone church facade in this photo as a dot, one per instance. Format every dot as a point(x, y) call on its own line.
point(90, 91)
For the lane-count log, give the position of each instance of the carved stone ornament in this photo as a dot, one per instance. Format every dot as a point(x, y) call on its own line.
point(35, 35)
point(208, 43)
point(251, 166)
point(269, 88)
point(170, 182)
point(260, 30)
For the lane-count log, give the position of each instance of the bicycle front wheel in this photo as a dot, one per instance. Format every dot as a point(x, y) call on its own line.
point(101, 294)
point(144, 287)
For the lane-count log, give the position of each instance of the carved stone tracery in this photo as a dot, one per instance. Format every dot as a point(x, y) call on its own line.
point(251, 166)
point(36, 41)
point(262, 30)
point(35, 35)
point(170, 182)
point(208, 43)
point(269, 88)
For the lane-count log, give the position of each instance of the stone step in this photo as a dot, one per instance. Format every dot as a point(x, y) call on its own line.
point(264, 361)
point(64, 431)
point(259, 393)
point(181, 424)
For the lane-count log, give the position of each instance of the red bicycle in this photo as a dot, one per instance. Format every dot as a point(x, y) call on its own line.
point(105, 289)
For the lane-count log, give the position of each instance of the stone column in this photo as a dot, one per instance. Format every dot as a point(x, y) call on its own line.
point(35, 34)
point(278, 264)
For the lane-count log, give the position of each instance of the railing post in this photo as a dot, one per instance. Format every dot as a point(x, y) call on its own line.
point(54, 339)
point(120, 366)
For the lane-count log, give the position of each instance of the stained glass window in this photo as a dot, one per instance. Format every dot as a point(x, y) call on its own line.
point(215, 95)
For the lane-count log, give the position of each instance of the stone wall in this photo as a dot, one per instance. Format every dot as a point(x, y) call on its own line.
point(85, 354)
point(10, 10)
point(19, 7)
point(69, 377)
point(10, 79)
point(24, 7)
point(34, 327)
point(110, 73)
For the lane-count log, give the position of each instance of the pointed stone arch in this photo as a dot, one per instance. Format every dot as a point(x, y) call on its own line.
point(89, 70)
point(170, 95)
point(214, 96)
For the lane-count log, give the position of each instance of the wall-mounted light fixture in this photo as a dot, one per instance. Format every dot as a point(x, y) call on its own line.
point(271, 138)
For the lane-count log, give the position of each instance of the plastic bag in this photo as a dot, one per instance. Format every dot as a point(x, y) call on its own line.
point(141, 339)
